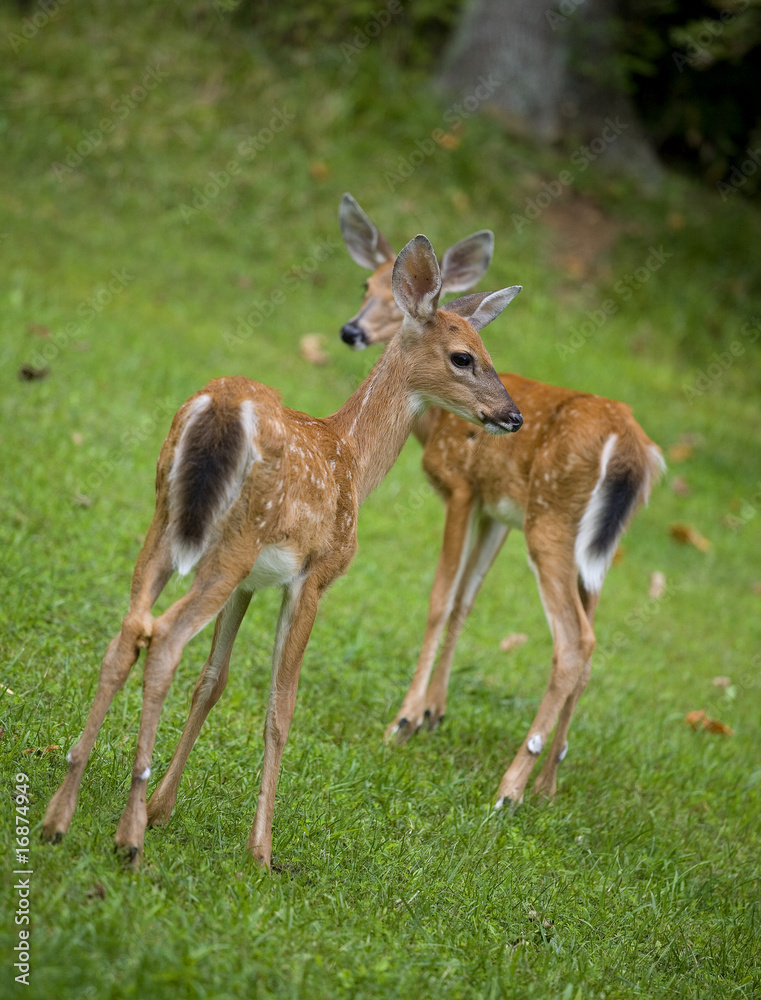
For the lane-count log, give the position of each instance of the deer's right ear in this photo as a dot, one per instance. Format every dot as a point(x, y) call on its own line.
point(367, 247)
point(416, 280)
point(481, 308)
point(466, 262)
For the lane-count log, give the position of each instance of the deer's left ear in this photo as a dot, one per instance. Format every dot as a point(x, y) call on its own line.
point(416, 281)
point(482, 307)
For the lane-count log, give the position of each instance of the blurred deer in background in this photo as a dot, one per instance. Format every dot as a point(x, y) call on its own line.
point(571, 480)
point(252, 494)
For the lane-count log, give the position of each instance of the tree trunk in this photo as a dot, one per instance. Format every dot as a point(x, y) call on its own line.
point(529, 55)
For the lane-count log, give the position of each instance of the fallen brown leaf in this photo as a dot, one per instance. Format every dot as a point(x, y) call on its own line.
point(680, 452)
point(512, 641)
point(448, 140)
point(722, 682)
point(38, 752)
point(311, 349)
point(699, 718)
point(319, 170)
point(657, 585)
point(37, 330)
point(28, 373)
point(688, 535)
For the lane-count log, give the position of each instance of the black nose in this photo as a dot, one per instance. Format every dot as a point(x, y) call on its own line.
point(353, 335)
point(514, 421)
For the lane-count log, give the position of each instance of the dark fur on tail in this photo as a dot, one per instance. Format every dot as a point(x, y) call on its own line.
point(206, 476)
point(620, 491)
point(630, 465)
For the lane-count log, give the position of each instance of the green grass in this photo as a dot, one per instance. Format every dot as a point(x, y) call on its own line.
point(394, 878)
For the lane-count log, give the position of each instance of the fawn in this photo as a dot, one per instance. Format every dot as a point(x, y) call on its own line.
point(571, 480)
point(252, 494)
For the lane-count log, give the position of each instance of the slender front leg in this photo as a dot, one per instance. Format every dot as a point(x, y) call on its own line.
point(454, 553)
point(206, 694)
point(491, 536)
point(297, 613)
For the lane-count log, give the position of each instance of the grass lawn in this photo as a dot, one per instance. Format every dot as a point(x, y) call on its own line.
point(168, 200)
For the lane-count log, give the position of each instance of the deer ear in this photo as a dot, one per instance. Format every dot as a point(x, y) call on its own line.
point(482, 307)
point(466, 262)
point(416, 280)
point(367, 247)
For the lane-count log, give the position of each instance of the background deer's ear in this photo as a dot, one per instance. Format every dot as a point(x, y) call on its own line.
point(367, 247)
point(466, 262)
point(416, 281)
point(481, 308)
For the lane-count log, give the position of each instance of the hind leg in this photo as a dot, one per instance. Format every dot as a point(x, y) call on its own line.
point(207, 692)
point(152, 571)
point(171, 631)
point(573, 645)
point(546, 783)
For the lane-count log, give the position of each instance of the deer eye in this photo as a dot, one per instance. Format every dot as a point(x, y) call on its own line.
point(460, 359)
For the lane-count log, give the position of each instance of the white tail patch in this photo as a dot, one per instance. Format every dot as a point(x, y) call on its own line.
point(185, 555)
point(594, 565)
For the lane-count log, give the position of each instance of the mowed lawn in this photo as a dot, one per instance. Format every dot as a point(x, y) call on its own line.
point(168, 213)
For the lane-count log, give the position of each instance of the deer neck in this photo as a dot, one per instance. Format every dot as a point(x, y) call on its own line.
point(377, 419)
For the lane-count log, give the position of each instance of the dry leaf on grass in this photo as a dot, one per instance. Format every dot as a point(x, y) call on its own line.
point(722, 682)
point(699, 718)
point(680, 486)
point(657, 586)
point(680, 452)
point(41, 752)
point(688, 535)
point(38, 330)
point(512, 641)
point(28, 373)
point(311, 349)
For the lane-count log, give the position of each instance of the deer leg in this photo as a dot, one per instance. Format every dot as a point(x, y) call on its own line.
point(207, 692)
point(297, 613)
point(546, 783)
point(454, 553)
point(152, 571)
point(491, 536)
point(171, 631)
point(573, 644)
